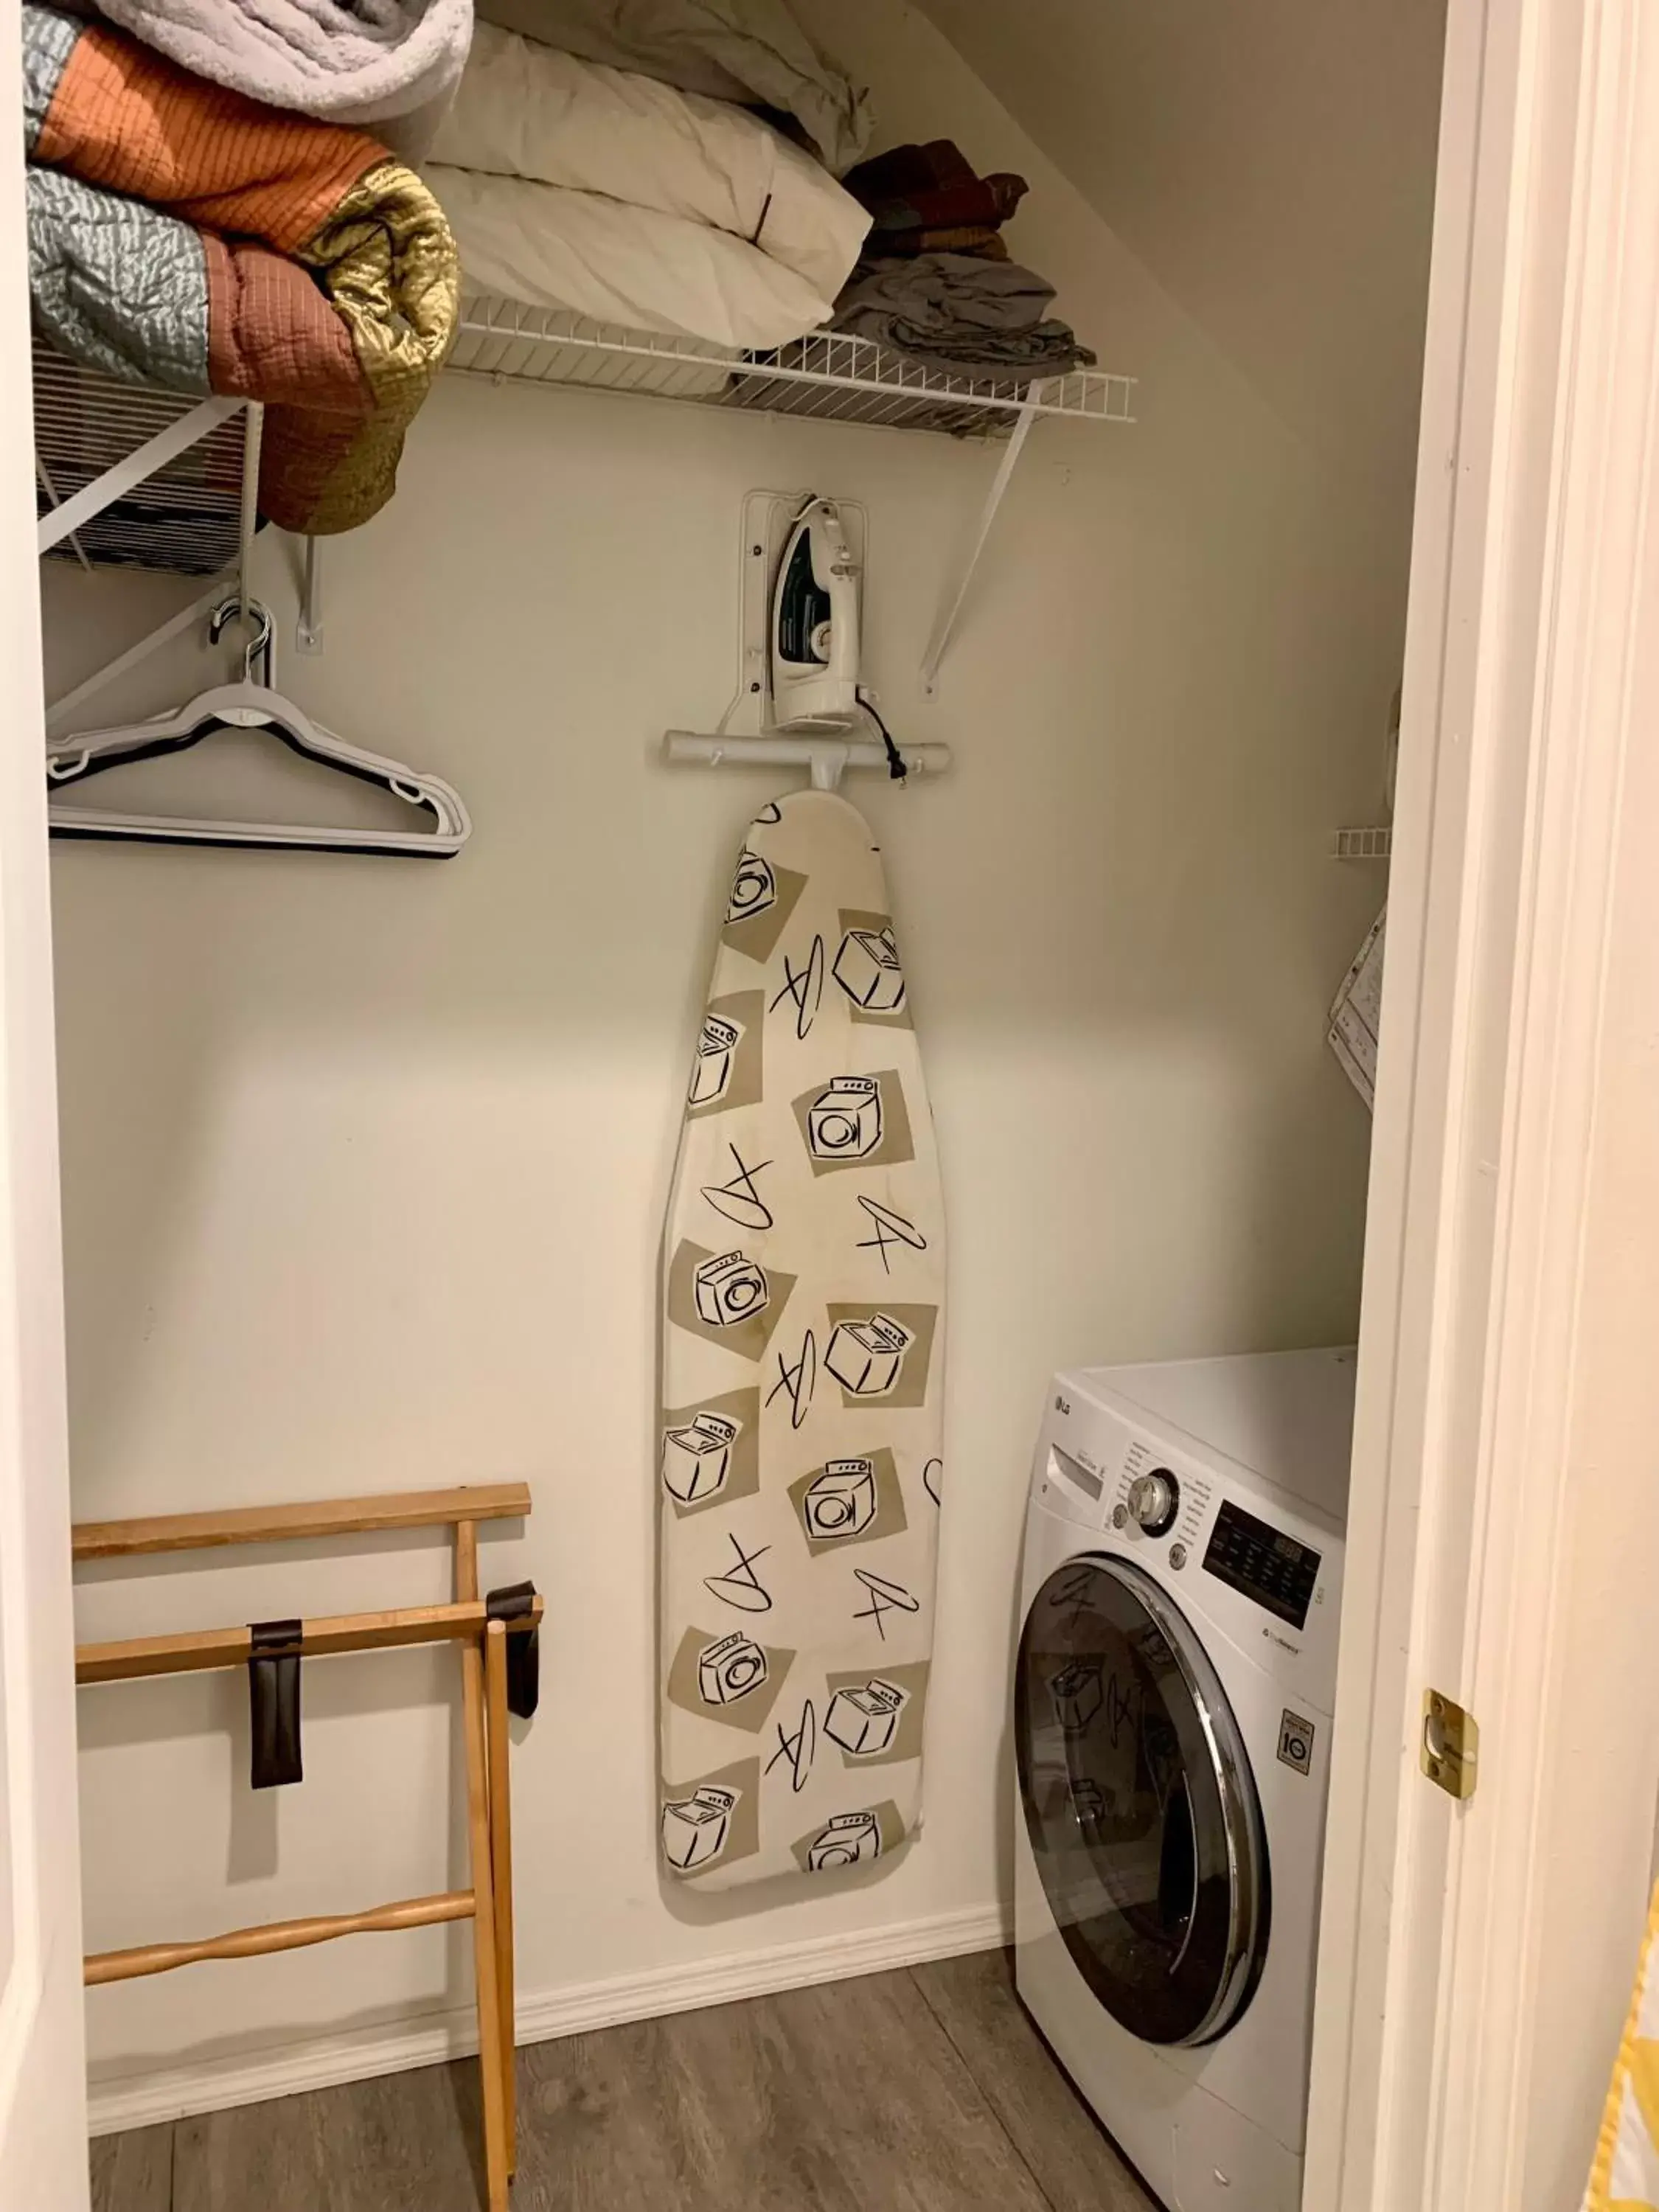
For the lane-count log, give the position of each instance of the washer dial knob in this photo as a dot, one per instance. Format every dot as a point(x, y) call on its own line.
point(1154, 1501)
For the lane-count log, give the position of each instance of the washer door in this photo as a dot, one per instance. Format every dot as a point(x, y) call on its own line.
point(1140, 1802)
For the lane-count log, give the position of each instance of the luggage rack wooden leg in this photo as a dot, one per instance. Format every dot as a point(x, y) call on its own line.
point(498, 2039)
point(500, 1841)
point(493, 2059)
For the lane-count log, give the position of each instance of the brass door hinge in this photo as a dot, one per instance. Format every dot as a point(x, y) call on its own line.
point(1451, 1745)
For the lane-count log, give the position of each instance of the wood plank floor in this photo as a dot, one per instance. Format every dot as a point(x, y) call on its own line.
point(926, 2090)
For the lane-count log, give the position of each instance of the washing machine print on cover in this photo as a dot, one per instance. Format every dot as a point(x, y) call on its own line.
point(799, 1425)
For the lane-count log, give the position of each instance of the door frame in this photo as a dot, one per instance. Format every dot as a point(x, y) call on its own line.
point(1531, 512)
point(42, 2125)
point(1527, 579)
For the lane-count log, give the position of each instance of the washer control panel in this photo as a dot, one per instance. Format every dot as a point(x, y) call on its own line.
point(1263, 1562)
point(1259, 1567)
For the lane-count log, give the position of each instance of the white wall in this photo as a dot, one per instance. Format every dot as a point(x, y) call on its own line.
point(1272, 163)
point(365, 1162)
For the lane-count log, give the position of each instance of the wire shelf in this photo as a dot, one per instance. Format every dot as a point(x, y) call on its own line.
point(1364, 844)
point(828, 375)
point(179, 508)
point(183, 518)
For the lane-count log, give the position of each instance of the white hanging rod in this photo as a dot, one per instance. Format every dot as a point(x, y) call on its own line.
point(828, 758)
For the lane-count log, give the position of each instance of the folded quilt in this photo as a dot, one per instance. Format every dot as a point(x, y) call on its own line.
point(183, 236)
point(552, 247)
point(525, 110)
point(957, 310)
point(393, 63)
point(751, 52)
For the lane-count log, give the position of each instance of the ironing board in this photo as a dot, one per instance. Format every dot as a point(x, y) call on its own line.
point(799, 1437)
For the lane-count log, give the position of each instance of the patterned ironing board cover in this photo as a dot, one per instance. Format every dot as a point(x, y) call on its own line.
point(798, 1444)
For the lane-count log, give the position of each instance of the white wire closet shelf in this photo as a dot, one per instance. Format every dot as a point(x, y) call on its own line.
point(1364, 842)
point(173, 461)
point(134, 476)
point(828, 375)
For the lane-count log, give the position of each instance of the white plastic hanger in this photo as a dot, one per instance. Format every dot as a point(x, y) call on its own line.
point(251, 704)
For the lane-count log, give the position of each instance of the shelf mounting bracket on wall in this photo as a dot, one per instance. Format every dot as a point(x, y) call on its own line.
point(944, 629)
point(308, 631)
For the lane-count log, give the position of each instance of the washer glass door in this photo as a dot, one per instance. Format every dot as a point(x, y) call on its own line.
point(1139, 1803)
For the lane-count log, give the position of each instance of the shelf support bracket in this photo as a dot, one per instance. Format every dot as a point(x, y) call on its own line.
point(945, 628)
point(155, 453)
point(61, 713)
point(308, 631)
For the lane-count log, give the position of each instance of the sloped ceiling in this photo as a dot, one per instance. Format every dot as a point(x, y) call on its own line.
point(1269, 162)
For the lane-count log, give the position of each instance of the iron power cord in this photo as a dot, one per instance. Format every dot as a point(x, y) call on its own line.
point(895, 763)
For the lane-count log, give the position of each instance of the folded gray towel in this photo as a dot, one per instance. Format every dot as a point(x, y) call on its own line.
point(958, 311)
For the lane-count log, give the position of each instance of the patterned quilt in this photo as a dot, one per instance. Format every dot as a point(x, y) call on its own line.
point(183, 236)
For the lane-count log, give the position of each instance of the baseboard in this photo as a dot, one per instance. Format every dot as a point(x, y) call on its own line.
point(136, 2100)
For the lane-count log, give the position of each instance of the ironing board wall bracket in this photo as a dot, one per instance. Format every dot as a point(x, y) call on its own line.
point(827, 759)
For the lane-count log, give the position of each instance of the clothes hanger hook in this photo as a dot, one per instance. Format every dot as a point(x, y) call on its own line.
point(258, 664)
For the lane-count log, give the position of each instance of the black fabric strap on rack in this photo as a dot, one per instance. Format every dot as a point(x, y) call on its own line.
point(523, 1655)
point(273, 1674)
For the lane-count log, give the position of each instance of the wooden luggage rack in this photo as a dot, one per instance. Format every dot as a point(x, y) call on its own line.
point(480, 1632)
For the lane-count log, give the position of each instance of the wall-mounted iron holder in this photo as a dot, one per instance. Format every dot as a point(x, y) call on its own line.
point(497, 1638)
point(747, 734)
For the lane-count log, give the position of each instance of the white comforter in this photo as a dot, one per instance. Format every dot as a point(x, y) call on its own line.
point(575, 186)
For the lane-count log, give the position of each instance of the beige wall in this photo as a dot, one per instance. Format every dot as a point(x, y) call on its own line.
point(1272, 164)
point(365, 1162)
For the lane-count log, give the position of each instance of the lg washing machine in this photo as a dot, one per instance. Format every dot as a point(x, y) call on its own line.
point(1173, 1696)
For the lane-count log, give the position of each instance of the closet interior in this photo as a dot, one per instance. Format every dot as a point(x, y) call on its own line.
point(366, 1166)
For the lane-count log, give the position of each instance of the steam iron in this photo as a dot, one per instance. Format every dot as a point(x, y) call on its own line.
point(815, 625)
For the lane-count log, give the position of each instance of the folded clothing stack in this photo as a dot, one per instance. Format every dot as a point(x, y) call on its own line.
point(609, 193)
point(957, 312)
point(936, 286)
point(930, 199)
point(185, 235)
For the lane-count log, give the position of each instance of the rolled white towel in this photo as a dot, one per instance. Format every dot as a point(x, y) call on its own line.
point(527, 110)
point(552, 247)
